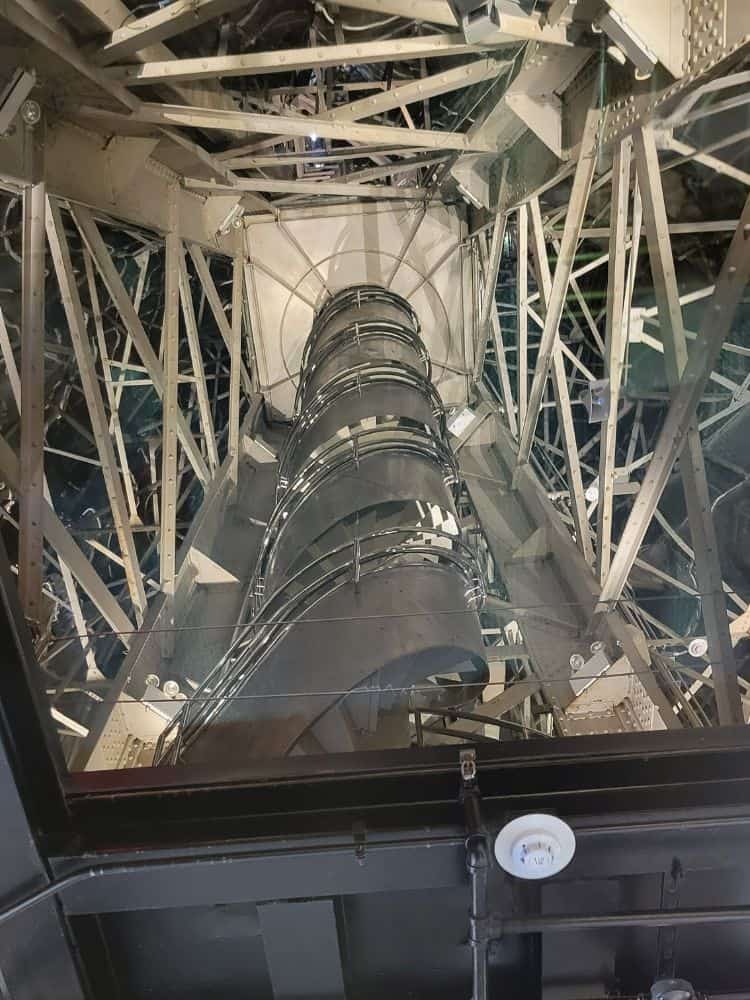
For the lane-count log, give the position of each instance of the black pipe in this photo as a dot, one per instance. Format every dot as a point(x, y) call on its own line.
point(636, 918)
point(478, 867)
point(477, 862)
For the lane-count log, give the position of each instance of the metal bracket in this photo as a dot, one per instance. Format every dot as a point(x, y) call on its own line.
point(468, 764)
point(13, 96)
point(359, 834)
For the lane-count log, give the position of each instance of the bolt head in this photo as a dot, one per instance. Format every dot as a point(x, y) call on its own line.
point(31, 113)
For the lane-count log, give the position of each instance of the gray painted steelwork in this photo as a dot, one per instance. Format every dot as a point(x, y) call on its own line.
point(364, 592)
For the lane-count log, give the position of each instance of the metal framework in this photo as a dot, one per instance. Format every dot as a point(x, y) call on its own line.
point(196, 182)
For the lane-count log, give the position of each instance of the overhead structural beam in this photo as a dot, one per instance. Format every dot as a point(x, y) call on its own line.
point(171, 19)
point(573, 222)
point(31, 18)
point(419, 90)
point(409, 165)
point(90, 384)
point(432, 11)
point(112, 281)
point(513, 27)
point(380, 192)
point(235, 158)
point(717, 323)
point(289, 60)
point(241, 121)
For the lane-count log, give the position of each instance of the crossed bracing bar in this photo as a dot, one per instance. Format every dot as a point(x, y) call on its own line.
point(636, 170)
point(187, 437)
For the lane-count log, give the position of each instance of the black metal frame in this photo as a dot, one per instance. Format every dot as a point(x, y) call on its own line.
point(400, 789)
point(135, 839)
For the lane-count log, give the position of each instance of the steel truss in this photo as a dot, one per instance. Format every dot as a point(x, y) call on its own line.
point(581, 488)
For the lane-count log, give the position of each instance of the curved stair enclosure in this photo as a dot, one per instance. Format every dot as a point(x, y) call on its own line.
point(364, 592)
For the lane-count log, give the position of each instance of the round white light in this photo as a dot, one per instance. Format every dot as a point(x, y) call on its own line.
point(672, 989)
point(577, 662)
point(171, 689)
point(153, 680)
point(535, 846)
point(698, 647)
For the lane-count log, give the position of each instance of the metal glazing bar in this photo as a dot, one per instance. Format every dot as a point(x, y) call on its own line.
point(169, 420)
point(87, 369)
point(314, 268)
point(196, 360)
point(716, 325)
point(564, 411)
point(615, 339)
point(450, 252)
point(410, 237)
point(31, 487)
point(409, 165)
point(112, 281)
point(573, 222)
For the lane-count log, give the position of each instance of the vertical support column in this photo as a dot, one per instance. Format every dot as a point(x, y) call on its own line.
point(573, 222)
point(196, 360)
point(114, 416)
point(491, 270)
point(235, 357)
point(169, 422)
point(615, 339)
point(522, 294)
point(502, 365)
point(79, 336)
point(32, 380)
point(692, 467)
point(566, 427)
